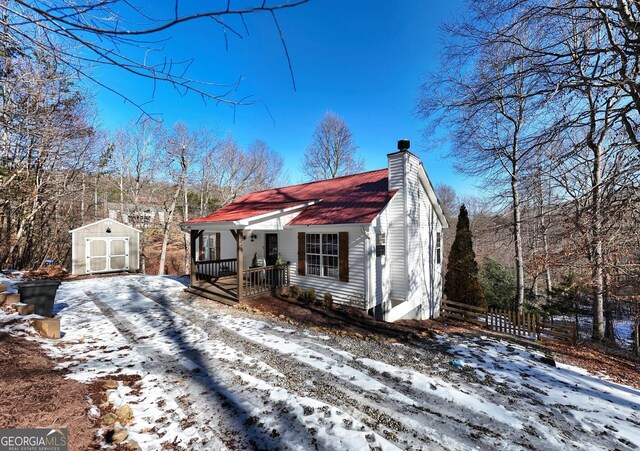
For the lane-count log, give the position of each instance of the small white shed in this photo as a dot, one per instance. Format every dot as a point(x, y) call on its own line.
point(105, 246)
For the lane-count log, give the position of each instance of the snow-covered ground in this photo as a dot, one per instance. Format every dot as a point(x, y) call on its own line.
point(623, 329)
point(215, 377)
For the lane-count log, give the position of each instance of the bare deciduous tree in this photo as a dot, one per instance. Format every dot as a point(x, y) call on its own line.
point(491, 111)
point(332, 152)
point(180, 146)
point(237, 171)
point(47, 142)
point(566, 90)
point(126, 35)
point(136, 164)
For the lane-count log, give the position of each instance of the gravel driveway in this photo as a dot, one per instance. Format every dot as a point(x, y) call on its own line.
point(215, 377)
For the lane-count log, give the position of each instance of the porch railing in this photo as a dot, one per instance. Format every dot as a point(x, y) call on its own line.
point(213, 269)
point(265, 278)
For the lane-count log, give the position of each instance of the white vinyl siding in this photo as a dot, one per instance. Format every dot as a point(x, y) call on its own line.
point(350, 293)
point(396, 235)
point(416, 279)
point(380, 266)
point(422, 231)
point(277, 223)
point(228, 247)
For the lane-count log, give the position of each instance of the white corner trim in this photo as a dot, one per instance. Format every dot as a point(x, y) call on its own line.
point(431, 194)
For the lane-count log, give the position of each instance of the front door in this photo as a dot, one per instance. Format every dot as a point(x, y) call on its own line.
point(271, 248)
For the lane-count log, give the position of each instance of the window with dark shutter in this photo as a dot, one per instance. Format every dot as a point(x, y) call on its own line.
point(301, 252)
point(321, 254)
point(218, 254)
point(324, 255)
point(343, 256)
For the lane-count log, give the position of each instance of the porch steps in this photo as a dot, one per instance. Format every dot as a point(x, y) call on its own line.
point(214, 296)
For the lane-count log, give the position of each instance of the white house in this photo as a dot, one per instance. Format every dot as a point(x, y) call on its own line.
point(373, 240)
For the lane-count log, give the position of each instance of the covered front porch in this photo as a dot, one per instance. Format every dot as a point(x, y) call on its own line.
point(230, 280)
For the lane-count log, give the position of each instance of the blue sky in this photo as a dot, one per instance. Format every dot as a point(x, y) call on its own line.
point(363, 60)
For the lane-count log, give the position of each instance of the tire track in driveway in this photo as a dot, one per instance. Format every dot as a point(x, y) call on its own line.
point(280, 420)
point(446, 418)
point(432, 422)
point(289, 370)
point(278, 371)
point(199, 391)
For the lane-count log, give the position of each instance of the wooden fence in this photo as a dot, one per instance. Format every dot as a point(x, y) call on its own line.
point(507, 322)
point(562, 331)
point(464, 312)
point(529, 325)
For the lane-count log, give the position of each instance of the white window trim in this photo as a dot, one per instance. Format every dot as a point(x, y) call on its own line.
point(321, 255)
point(209, 246)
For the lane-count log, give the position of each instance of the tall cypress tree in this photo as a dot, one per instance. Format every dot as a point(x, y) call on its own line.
point(461, 281)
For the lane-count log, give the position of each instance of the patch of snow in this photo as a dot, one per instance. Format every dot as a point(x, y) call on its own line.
point(213, 378)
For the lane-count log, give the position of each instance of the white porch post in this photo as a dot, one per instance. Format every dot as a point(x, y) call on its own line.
point(195, 234)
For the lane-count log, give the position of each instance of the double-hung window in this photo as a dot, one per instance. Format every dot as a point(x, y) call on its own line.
point(322, 254)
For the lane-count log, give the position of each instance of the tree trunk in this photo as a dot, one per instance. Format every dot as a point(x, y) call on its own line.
point(598, 289)
point(167, 223)
point(143, 255)
point(517, 238)
point(185, 236)
point(14, 255)
point(122, 195)
point(95, 198)
point(84, 189)
point(544, 234)
point(5, 90)
point(202, 202)
point(636, 330)
point(547, 270)
point(597, 260)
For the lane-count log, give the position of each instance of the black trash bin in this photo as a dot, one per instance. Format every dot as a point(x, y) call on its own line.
point(39, 293)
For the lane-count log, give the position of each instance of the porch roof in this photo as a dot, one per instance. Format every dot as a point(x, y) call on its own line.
point(352, 199)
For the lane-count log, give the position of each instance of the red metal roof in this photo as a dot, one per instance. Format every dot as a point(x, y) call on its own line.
point(352, 199)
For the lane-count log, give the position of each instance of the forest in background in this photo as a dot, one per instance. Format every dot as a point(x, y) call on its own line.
point(558, 279)
point(59, 171)
point(542, 102)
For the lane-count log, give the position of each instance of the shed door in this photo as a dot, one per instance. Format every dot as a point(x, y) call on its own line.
point(107, 254)
point(96, 255)
point(119, 254)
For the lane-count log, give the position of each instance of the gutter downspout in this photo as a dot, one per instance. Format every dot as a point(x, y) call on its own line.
point(367, 265)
